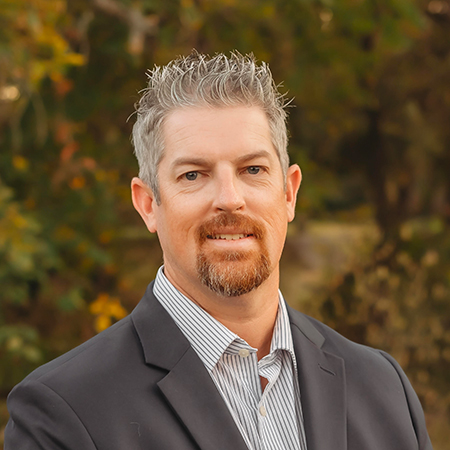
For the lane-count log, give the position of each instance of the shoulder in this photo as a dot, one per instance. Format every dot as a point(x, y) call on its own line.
point(47, 406)
point(375, 384)
point(367, 370)
point(94, 357)
point(335, 343)
point(116, 347)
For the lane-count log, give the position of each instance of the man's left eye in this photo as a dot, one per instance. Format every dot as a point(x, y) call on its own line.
point(191, 176)
point(253, 170)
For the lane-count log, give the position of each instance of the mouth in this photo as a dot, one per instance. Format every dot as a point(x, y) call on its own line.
point(224, 230)
point(228, 237)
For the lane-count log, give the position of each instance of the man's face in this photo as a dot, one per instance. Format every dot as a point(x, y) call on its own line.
point(223, 214)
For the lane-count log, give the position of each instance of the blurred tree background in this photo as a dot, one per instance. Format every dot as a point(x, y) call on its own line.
point(369, 252)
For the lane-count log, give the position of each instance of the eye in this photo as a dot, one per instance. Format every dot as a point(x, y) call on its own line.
point(191, 176)
point(253, 170)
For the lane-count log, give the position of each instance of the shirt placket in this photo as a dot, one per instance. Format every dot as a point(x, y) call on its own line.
point(269, 368)
point(244, 359)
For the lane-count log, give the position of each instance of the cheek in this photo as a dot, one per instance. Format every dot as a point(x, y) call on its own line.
point(277, 228)
point(277, 213)
point(176, 232)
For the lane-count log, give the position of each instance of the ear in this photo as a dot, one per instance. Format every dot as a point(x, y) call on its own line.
point(293, 180)
point(144, 203)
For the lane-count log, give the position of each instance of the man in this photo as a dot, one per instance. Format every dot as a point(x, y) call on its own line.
point(212, 357)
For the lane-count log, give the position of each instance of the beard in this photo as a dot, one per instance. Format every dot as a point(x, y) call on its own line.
point(231, 274)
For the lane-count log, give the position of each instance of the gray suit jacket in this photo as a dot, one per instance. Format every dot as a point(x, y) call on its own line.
point(140, 385)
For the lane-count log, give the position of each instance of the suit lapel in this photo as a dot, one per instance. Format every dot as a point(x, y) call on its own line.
point(193, 395)
point(188, 387)
point(322, 387)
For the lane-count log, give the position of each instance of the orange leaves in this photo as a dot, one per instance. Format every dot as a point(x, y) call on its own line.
point(63, 86)
point(72, 170)
point(68, 150)
point(77, 183)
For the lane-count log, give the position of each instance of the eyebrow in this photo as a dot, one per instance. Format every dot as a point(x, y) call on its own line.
point(187, 160)
point(254, 155)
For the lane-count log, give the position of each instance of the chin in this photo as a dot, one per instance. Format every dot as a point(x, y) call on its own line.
point(233, 274)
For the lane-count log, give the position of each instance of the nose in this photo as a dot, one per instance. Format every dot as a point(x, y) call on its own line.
point(228, 196)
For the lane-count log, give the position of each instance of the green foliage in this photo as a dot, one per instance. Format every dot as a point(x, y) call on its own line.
point(24, 255)
point(18, 344)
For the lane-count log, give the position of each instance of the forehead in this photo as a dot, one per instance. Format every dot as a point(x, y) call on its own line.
point(207, 131)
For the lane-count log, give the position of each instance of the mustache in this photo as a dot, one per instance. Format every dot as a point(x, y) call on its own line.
point(221, 222)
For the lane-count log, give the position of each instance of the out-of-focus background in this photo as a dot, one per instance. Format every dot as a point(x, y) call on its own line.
point(369, 251)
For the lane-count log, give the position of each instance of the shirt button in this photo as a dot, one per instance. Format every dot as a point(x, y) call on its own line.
point(262, 411)
point(244, 352)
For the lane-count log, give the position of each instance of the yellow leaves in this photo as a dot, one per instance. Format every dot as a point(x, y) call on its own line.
point(110, 306)
point(106, 309)
point(12, 223)
point(20, 163)
point(18, 220)
point(39, 48)
point(102, 322)
point(268, 10)
point(101, 175)
point(74, 59)
point(58, 57)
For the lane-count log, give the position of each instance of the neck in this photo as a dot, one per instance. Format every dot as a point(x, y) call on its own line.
point(253, 324)
point(251, 316)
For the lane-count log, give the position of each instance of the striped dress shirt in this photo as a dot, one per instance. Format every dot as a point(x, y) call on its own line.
point(268, 420)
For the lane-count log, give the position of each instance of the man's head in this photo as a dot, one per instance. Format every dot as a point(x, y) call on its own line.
point(198, 80)
point(214, 177)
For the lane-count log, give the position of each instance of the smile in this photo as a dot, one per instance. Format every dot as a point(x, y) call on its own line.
point(229, 237)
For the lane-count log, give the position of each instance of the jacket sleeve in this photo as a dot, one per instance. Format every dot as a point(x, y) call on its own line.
point(415, 408)
point(41, 420)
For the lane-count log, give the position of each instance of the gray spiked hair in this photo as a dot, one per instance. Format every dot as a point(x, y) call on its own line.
point(201, 80)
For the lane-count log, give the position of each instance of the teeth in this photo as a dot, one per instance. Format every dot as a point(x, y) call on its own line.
point(229, 237)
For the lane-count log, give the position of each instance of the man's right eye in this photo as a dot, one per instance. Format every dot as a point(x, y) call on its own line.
point(191, 176)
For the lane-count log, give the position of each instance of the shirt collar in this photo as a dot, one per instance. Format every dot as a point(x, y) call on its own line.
point(207, 336)
point(282, 335)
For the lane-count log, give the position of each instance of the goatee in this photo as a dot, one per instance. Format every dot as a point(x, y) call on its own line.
point(231, 274)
